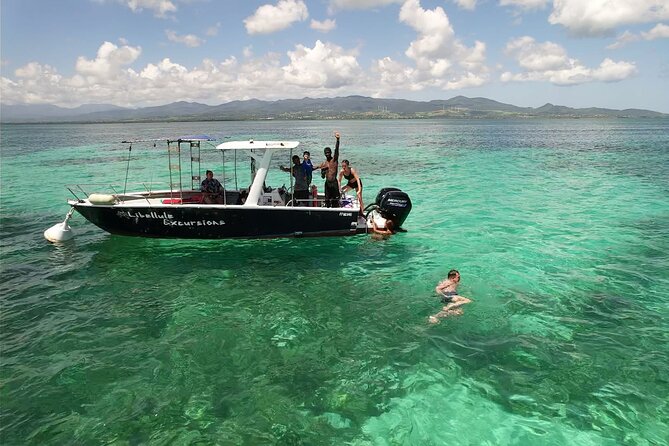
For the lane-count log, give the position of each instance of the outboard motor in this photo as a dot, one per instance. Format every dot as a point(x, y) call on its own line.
point(393, 204)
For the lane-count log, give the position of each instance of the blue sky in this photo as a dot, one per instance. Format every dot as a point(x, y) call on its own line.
point(603, 53)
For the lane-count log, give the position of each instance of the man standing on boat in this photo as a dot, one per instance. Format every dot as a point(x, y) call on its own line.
point(300, 188)
point(331, 165)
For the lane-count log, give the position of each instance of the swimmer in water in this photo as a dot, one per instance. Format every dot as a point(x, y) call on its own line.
point(448, 289)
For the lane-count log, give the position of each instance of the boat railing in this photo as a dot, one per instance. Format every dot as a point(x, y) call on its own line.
point(151, 189)
point(310, 203)
point(160, 190)
point(148, 192)
point(344, 202)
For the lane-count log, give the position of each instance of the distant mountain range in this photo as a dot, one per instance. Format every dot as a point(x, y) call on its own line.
point(350, 107)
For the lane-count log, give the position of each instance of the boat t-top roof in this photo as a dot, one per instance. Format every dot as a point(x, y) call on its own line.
point(251, 144)
point(230, 145)
point(185, 139)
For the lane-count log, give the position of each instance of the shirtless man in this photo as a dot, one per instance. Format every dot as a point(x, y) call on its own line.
point(448, 289)
point(331, 163)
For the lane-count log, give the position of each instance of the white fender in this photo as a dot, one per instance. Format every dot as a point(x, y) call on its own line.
point(102, 199)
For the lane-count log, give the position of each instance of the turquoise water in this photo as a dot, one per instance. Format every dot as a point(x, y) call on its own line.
point(559, 228)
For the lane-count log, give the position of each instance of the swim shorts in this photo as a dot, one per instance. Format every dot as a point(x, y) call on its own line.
point(447, 297)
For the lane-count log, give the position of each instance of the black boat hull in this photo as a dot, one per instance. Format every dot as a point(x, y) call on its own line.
point(218, 222)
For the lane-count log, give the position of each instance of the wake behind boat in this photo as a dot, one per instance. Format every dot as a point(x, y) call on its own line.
point(258, 211)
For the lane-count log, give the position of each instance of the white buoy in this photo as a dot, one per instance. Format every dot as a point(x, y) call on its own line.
point(60, 232)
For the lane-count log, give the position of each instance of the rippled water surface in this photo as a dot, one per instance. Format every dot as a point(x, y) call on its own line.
point(560, 230)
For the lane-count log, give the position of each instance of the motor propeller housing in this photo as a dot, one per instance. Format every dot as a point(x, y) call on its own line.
point(393, 204)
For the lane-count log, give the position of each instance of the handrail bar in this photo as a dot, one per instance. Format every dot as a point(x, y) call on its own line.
point(72, 192)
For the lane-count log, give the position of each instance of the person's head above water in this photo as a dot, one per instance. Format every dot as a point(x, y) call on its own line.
point(345, 164)
point(296, 159)
point(454, 275)
point(328, 153)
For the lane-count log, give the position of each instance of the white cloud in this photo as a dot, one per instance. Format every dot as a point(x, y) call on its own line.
point(537, 56)
point(549, 62)
point(467, 80)
point(323, 66)
point(160, 8)
point(611, 71)
point(441, 60)
point(33, 70)
point(325, 26)
point(322, 70)
point(469, 5)
point(109, 61)
point(360, 4)
point(624, 39)
point(269, 18)
point(12, 92)
point(189, 40)
point(601, 17)
point(164, 68)
point(394, 75)
point(36, 84)
point(525, 4)
point(659, 31)
point(103, 79)
point(213, 30)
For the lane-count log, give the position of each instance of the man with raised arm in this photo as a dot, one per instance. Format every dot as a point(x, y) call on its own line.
point(331, 166)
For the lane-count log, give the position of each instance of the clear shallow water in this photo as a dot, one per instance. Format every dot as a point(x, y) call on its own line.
point(559, 228)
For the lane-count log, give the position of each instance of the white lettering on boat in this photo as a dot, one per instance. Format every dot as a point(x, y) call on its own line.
point(151, 215)
point(345, 214)
point(167, 218)
point(193, 223)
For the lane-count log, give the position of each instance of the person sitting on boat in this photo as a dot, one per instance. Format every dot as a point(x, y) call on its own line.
point(300, 188)
point(213, 191)
point(353, 181)
point(331, 163)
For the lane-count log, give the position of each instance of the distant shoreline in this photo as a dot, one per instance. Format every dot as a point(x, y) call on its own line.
point(455, 118)
point(340, 108)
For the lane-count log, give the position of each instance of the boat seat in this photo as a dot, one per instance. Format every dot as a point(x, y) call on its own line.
point(193, 199)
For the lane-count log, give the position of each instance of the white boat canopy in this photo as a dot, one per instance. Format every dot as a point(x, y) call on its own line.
point(192, 138)
point(249, 145)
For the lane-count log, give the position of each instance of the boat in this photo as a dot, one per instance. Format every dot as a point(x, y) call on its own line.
point(257, 211)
